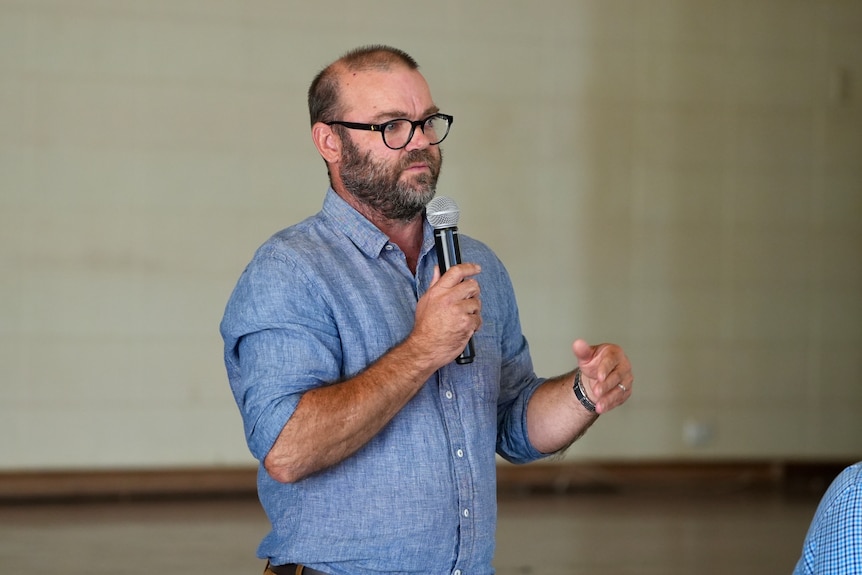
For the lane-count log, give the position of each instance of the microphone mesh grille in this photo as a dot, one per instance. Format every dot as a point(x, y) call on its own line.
point(442, 212)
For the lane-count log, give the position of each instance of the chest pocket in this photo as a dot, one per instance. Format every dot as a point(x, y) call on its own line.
point(481, 378)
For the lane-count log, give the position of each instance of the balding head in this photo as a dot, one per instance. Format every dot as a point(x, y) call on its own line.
point(324, 103)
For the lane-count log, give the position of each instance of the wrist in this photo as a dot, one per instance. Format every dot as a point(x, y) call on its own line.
point(413, 359)
point(581, 393)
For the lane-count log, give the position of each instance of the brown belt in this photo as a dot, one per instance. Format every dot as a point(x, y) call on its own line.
point(291, 569)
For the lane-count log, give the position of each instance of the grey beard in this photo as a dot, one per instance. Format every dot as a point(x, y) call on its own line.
point(398, 203)
point(378, 187)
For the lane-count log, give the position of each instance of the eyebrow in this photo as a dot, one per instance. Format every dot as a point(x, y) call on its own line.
point(392, 115)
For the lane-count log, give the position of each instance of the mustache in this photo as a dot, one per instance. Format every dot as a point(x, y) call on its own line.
point(415, 156)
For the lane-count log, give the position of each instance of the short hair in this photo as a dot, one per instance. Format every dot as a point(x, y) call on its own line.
point(324, 93)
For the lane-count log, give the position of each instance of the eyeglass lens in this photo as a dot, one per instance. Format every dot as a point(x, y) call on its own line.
point(398, 133)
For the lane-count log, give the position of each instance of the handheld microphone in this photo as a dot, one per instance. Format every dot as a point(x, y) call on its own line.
point(443, 214)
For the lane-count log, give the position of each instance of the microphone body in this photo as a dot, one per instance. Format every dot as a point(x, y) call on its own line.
point(443, 213)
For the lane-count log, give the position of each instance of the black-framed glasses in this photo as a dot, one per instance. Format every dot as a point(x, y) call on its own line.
point(398, 133)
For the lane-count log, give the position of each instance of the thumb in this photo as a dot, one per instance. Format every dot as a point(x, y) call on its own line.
point(436, 277)
point(583, 351)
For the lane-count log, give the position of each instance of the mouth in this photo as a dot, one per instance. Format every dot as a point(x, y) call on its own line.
point(417, 167)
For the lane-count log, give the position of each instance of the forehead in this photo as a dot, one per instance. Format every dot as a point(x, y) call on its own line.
point(371, 95)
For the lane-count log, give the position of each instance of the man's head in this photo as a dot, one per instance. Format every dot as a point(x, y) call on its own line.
point(374, 85)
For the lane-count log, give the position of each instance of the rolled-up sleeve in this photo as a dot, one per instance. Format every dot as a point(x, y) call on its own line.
point(518, 381)
point(278, 345)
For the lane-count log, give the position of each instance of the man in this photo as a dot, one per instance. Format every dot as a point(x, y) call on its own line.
point(834, 540)
point(376, 448)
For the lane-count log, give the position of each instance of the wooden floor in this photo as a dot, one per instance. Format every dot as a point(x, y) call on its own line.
point(644, 532)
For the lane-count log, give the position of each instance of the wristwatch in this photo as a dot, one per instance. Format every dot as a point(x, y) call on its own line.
point(578, 388)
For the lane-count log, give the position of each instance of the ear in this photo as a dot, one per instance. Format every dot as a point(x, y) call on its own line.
point(327, 142)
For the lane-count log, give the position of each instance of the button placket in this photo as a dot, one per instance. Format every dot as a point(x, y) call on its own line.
point(456, 427)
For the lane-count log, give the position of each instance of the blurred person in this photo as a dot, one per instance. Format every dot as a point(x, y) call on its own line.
point(376, 449)
point(834, 540)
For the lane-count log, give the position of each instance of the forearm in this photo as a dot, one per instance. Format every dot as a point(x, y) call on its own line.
point(555, 417)
point(331, 423)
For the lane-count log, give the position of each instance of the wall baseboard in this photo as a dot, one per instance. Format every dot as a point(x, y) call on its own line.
point(31, 486)
point(794, 477)
point(810, 477)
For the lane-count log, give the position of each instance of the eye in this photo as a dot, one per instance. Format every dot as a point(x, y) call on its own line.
point(433, 124)
point(397, 129)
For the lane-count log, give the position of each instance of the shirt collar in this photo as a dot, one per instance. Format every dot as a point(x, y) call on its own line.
point(364, 234)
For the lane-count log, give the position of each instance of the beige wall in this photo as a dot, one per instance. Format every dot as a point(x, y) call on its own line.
point(683, 177)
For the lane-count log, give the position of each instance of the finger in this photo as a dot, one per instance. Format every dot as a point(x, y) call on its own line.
point(618, 395)
point(458, 273)
point(618, 386)
point(608, 371)
point(471, 305)
point(469, 289)
point(436, 276)
point(621, 378)
point(607, 359)
point(583, 351)
point(476, 319)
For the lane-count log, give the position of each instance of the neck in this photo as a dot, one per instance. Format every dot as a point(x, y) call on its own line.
point(406, 234)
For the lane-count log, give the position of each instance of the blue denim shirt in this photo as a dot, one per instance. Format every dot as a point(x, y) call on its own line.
point(318, 303)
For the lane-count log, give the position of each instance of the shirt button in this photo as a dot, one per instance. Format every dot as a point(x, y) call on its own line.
point(466, 513)
point(460, 453)
point(388, 247)
point(456, 572)
point(448, 395)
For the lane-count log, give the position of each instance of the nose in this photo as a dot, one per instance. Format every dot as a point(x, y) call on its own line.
point(418, 141)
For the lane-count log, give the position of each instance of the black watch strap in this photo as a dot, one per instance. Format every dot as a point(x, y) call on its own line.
point(578, 388)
